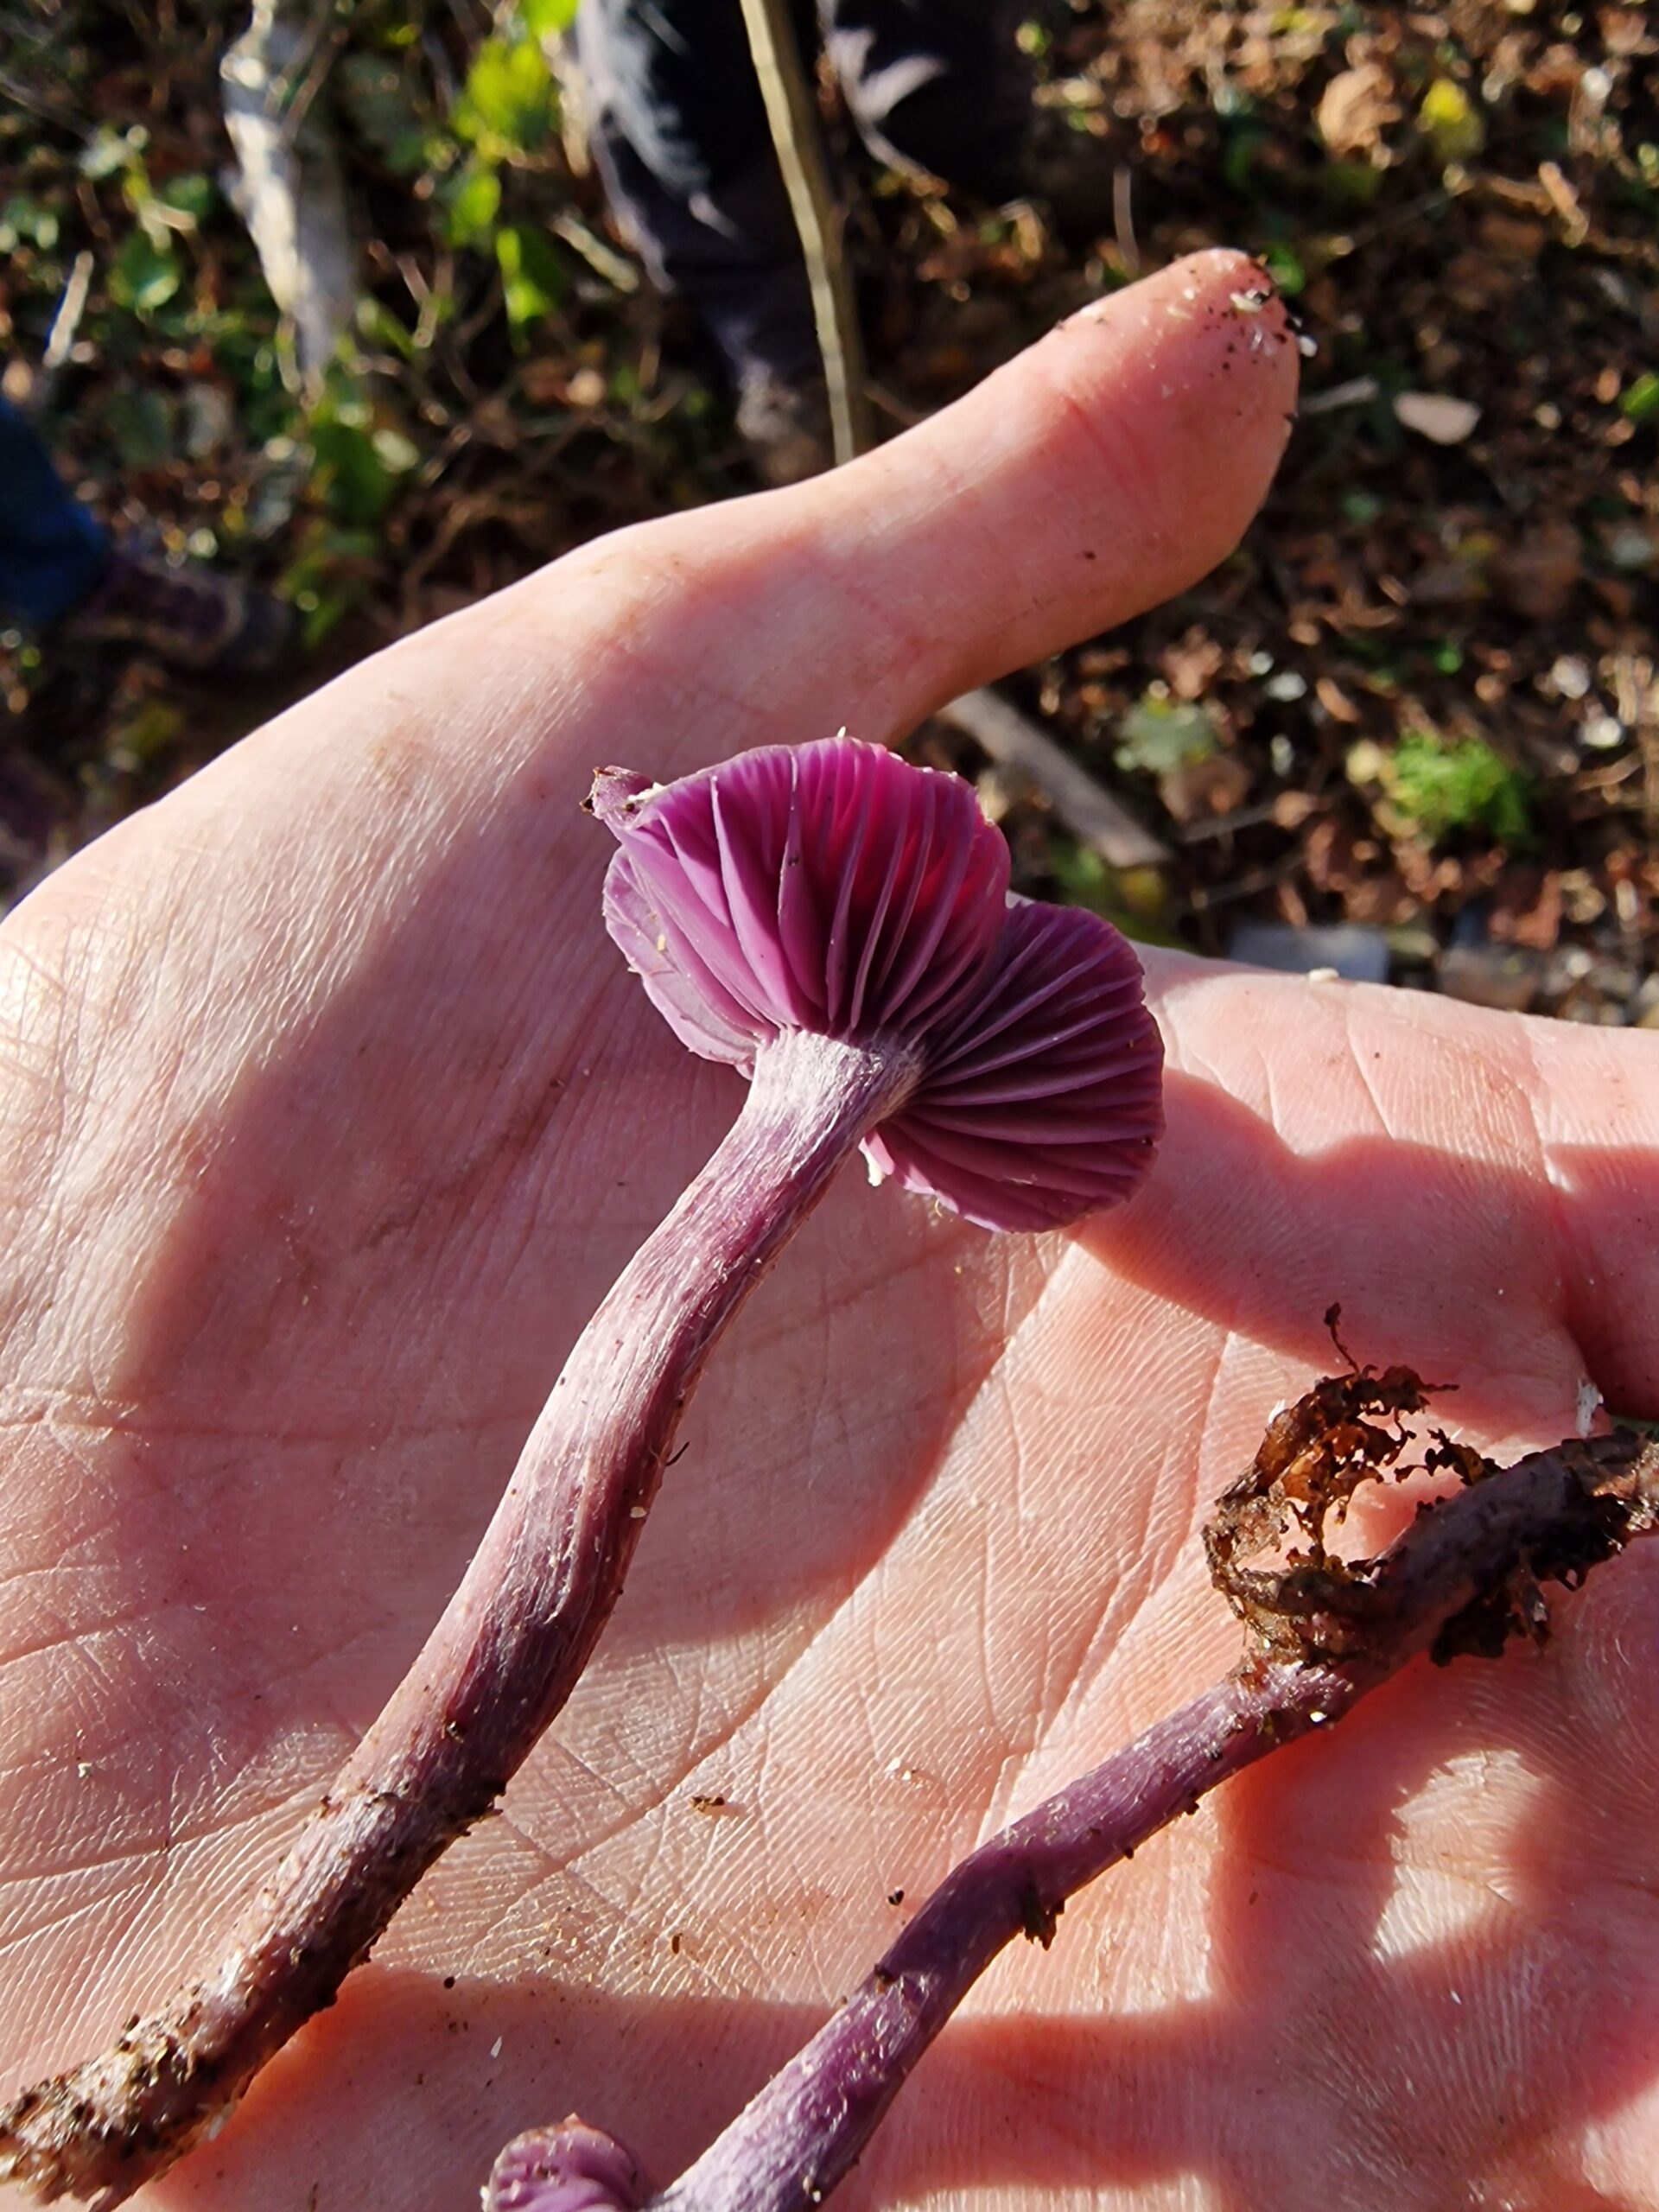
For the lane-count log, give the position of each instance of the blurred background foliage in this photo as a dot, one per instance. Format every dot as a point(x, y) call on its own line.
point(1421, 702)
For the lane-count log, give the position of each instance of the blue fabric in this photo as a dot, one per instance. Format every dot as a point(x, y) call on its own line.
point(54, 552)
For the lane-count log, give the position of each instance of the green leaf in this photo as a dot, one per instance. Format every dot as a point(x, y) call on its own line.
point(1240, 146)
point(108, 150)
point(378, 324)
point(1134, 900)
point(143, 275)
point(1284, 266)
point(1640, 399)
point(352, 481)
point(1160, 735)
point(1449, 122)
point(141, 421)
point(1351, 184)
point(151, 730)
point(532, 275)
point(547, 18)
point(192, 195)
point(474, 202)
point(332, 574)
point(376, 93)
point(508, 97)
point(25, 219)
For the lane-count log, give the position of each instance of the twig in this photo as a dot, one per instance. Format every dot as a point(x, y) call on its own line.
point(887, 402)
point(1093, 816)
point(1288, 810)
point(290, 91)
point(1358, 391)
point(1129, 246)
point(66, 324)
point(790, 111)
point(618, 271)
point(1463, 1576)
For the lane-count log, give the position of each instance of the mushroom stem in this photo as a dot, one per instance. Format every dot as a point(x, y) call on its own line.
point(798, 2138)
point(1443, 1587)
point(505, 1656)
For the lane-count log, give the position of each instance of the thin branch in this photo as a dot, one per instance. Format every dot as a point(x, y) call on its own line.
point(790, 111)
point(66, 327)
point(1129, 246)
point(1095, 815)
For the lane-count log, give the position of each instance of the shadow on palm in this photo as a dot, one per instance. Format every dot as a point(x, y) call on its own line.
point(1348, 2045)
point(1343, 2050)
point(1316, 2044)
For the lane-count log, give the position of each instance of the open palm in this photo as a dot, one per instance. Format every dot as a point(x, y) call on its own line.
point(329, 1115)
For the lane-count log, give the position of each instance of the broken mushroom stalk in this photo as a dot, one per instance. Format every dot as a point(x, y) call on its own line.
point(837, 925)
point(1462, 1578)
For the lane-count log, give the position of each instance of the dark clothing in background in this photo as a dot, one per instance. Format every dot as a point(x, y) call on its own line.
point(680, 136)
point(58, 562)
point(54, 552)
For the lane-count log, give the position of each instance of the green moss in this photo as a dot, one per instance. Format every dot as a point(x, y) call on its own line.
point(1444, 785)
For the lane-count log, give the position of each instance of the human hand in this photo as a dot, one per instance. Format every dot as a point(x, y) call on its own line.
point(330, 1114)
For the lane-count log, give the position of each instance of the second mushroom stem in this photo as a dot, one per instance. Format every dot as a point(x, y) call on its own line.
point(1558, 1512)
point(507, 1651)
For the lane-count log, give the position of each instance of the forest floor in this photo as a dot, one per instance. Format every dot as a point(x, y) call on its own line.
point(1422, 700)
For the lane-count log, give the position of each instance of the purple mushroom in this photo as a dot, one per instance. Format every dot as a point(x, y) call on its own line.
point(1461, 1579)
point(830, 892)
point(838, 924)
point(570, 2168)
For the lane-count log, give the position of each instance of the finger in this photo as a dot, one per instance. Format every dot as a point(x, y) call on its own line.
point(1596, 1108)
point(1110, 465)
point(1113, 463)
point(1107, 468)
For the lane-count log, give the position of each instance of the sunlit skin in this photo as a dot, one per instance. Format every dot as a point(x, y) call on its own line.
point(330, 1113)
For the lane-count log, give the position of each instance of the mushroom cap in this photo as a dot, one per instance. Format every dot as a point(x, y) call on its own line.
point(569, 2168)
point(832, 887)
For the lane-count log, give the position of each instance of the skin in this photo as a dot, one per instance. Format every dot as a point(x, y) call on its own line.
point(329, 1115)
